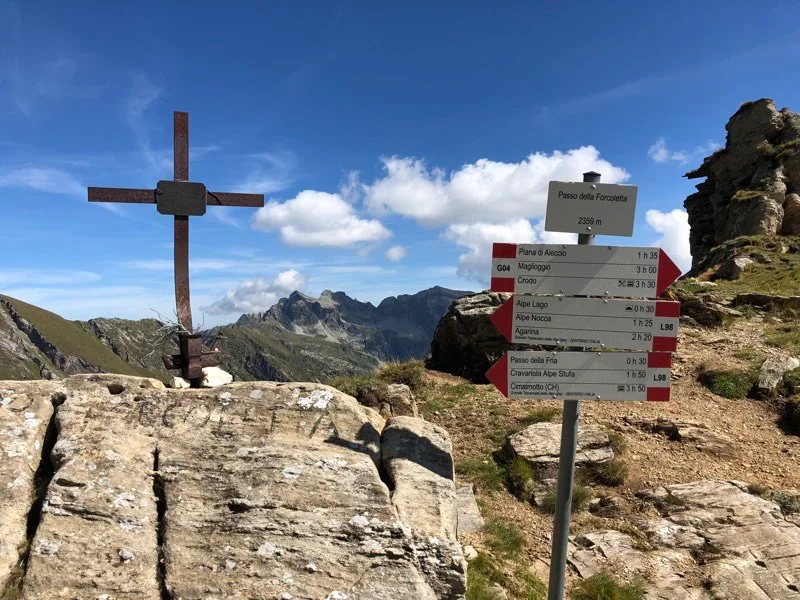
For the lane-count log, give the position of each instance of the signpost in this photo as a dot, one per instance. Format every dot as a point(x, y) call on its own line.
point(581, 270)
point(590, 322)
point(562, 314)
point(583, 375)
point(590, 207)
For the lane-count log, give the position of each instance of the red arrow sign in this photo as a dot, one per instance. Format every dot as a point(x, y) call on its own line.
point(583, 375)
point(574, 270)
point(589, 322)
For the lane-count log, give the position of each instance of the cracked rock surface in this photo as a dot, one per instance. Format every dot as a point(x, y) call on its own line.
point(715, 541)
point(250, 490)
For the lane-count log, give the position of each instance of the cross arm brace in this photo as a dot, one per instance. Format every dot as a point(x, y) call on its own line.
point(127, 195)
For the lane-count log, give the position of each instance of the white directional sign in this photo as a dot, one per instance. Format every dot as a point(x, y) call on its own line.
point(583, 375)
point(581, 270)
point(590, 322)
point(598, 208)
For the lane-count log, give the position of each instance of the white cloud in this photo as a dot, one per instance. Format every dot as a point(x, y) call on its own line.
point(483, 191)
point(36, 277)
point(318, 219)
point(661, 154)
point(54, 181)
point(268, 174)
point(257, 295)
point(674, 229)
point(479, 237)
point(396, 253)
point(144, 94)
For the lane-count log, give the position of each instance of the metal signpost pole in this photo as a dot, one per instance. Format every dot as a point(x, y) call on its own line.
point(566, 469)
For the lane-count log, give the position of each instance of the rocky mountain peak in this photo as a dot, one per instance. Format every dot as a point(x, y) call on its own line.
point(752, 184)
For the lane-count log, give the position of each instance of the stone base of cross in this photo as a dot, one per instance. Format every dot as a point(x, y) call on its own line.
point(182, 199)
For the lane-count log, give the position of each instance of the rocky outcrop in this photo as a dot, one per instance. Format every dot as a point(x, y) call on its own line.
point(249, 490)
point(692, 433)
point(751, 184)
point(140, 343)
point(714, 541)
point(770, 376)
point(539, 444)
point(466, 343)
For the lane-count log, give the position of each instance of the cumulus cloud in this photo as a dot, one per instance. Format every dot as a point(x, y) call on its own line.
point(674, 229)
point(483, 191)
point(661, 154)
point(396, 253)
point(318, 219)
point(257, 295)
point(478, 238)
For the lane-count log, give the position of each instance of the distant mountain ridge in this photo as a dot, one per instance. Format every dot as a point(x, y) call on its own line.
point(299, 338)
point(399, 328)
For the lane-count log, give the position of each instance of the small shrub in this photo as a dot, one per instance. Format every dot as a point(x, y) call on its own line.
point(519, 475)
point(603, 586)
point(790, 416)
point(503, 538)
point(728, 384)
point(485, 475)
point(411, 373)
point(789, 503)
point(540, 415)
point(758, 489)
point(580, 499)
point(611, 472)
point(618, 442)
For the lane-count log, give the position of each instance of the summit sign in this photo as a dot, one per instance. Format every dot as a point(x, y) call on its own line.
point(593, 208)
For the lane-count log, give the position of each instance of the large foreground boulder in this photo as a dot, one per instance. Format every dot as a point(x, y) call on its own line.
point(249, 490)
point(466, 343)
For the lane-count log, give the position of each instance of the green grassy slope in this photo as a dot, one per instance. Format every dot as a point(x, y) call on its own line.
point(776, 269)
point(72, 340)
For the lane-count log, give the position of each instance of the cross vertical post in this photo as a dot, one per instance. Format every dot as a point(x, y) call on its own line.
point(181, 199)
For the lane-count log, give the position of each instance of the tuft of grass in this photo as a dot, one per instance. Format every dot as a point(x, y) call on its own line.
point(618, 442)
point(484, 474)
point(611, 472)
point(748, 354)
point(747, 195)
point(411, 373)
point(603, 586)
point(785, 335)
point(580, 499)
point(540, 415)
point(728, 384)
point(758, 489)
point(481, 575)
point(789, 503)
point(531, 588)
point(519, 475)
point(503, 538)
point(353, 385)
point(791, 382)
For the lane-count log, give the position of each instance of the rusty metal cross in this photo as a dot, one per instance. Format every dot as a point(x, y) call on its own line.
point(182, 199)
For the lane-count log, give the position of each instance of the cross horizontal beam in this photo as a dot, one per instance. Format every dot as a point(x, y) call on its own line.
point(135, 196)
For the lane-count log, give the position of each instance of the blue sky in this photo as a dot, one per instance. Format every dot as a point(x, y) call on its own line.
point(393, 142)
